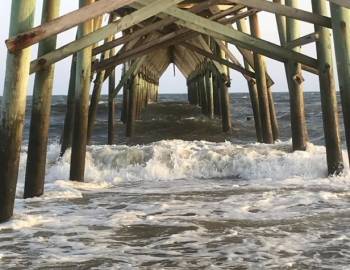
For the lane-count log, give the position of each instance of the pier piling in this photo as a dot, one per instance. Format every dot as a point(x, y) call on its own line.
point(83, 75)
point(67, 134)
point(341, 33)
point(111, 108)
point(328, 92)
point(131, 117)
point(260, 74)
point(243, 26)
point(13, 107)
point(41, 109)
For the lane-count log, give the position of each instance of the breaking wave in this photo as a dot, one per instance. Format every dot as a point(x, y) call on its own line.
point(175, 159)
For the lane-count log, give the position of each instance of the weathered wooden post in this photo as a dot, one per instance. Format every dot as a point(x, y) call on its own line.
point(204, 92)
point(123, 116)
point(273, 115)
point(41, 109)
point(81, 103)
point(281, 25)
point(13, 107)
point(198, 93)
point(199, 89)
point(217, 95)
point(111, 108)
point(243, 26)
point(261, 85)
point(328, 92)
point(196, 90)
point(67, 134)
point(193, 92)
point(96, 94)
point(147, 91)
point(341, 33)
point(138, 96)
point(157, 90)
point(225, 98)
point(130, 128)
point(189, 91)
point(210, 93)
point(95, 98)
point(295, 83)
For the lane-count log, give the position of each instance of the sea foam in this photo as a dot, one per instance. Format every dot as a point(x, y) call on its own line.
point(176, 159)
point(256, 203)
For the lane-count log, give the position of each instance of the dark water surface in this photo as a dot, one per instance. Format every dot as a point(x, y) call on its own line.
point(241, 111)
point(198, 199)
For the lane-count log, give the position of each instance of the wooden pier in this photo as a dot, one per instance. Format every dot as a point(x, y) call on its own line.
point(193, 35)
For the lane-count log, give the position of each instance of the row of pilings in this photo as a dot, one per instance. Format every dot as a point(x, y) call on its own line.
point(207, 87)
point(208, 84)
point(139, 91)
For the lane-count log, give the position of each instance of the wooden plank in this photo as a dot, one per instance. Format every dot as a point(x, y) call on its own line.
point(65, 22)
point(148, 28)
point(167, 40)
point(131, 72)
point(139, 33)
point(247, 57)
point(269, 52)
point(287, 11)
point(206, 47)
point(157, 43)
point(180, 62)
point(302, 41)
point(126, 22)
point(219, 31)
point(238, 16)
point(342, 3)
point(218, 59)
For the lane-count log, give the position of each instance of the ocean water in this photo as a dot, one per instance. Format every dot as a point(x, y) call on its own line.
point(170, 200)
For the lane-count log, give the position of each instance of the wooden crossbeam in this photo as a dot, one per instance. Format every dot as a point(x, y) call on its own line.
point(302, 41)
point(126, 38)
point(180, 52)
point(343, 3)
point(205, 45)
point(127, 21)
point(149, 28)
point(131, 71)
point(239, 16)
point(218, 59)
point(157, 43)
point(227, 12)
point(230, 56)
point(167, 40)
point(192, 58)
point(182, 66)
point(248, 57)
point(131, 44)
point(63, 23)
point(219, 31)
point(267, 48)
point(286, 11)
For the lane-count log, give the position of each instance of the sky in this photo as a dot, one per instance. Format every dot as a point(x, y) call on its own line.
point(168, 82)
